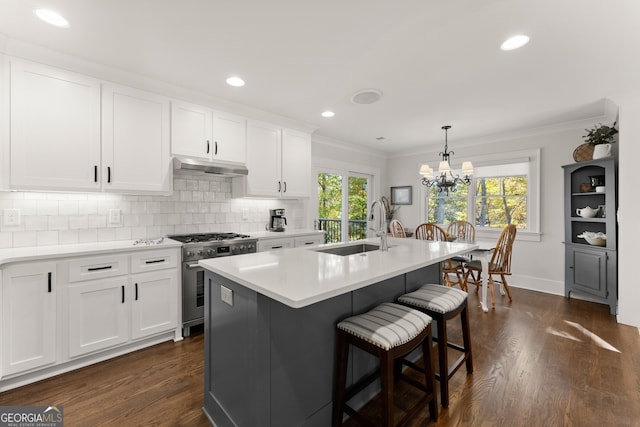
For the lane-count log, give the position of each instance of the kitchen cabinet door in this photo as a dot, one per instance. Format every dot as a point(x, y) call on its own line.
point(55, 129)
point(191, 130)
point(263, 160)
point(229, 138)
point(154, 306)
point(296, 164)
point(135, 141)
point(99, 315)
point(29, 338)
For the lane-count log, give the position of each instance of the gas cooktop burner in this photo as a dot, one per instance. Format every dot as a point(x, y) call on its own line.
point(207, 237)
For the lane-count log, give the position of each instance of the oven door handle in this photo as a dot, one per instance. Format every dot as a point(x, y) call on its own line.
point(192, 266)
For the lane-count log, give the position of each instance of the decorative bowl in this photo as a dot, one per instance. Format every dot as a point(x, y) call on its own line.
point(595, 239)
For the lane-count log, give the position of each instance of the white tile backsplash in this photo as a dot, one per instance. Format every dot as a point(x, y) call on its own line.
point(200, 203)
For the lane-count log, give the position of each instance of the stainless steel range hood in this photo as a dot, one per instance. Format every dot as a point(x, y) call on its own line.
point(209, 167)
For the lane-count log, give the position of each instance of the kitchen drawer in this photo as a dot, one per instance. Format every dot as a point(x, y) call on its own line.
point(308, 240)
point(274, 244)
point(91, 268)
point(154, 260)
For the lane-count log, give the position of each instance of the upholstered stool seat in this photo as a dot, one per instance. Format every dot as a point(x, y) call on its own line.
point(389, 332)
point(443, 303)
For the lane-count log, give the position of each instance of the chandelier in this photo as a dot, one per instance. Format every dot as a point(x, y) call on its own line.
point(446, 180)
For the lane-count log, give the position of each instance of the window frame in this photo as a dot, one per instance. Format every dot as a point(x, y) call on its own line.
point(532, 157)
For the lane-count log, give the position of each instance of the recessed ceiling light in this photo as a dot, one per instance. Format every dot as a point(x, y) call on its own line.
point(52, 18)
point(235, 81)
point(328, 114)
point(514, 42)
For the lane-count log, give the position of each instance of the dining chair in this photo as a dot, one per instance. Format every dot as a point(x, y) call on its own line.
point(462, 230)
point(499, 265)
point(397, 230)
point(429, 231)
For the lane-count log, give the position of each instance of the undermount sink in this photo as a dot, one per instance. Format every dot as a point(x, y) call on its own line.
point(360, 248)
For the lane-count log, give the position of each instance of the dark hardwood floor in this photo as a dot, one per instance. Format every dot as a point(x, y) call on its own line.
point(539, 361)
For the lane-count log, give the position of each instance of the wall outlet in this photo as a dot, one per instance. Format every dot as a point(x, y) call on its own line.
point(114, 216)
point(11, 217)
point(226, 295)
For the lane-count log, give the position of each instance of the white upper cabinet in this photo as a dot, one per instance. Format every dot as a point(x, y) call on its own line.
point(202, 133)
point(55, 128)
point(296, 163)
point(135, 140)
point(70, 132)
point(229, 137)
point(279, 163)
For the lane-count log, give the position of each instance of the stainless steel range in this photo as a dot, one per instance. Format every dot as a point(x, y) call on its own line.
point(202, 246)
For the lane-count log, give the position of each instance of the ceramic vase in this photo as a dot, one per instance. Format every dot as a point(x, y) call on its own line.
point(601, 150)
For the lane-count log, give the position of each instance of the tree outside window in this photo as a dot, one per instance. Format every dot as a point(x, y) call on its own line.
point(501, 201)
point(496, 202)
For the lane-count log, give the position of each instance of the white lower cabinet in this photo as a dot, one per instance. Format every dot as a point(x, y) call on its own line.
point(153, 307)
point(98, 315)
point(70, 312)
point(29, 327)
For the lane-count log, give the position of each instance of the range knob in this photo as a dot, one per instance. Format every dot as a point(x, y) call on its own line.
point(210, 252)
point(189, 254)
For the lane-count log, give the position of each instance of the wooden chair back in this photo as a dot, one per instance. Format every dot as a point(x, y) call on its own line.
point(396, 228)
point(501, 258)
point(463, 230)
point(429, 231)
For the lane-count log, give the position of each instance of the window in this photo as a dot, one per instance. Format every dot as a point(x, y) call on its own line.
point(504, 191)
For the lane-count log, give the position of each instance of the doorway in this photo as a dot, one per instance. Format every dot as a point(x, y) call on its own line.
point(343, 198)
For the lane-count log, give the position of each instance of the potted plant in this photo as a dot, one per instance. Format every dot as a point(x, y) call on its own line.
point(600, 137)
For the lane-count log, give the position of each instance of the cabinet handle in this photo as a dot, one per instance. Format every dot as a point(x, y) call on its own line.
point(216, 148)
point(208, 147)
point(108, 174)
point(49, 282)
point(154, 261)
point(285, 186)
point(106, 267)
point(136, 292)
point(122, 287)
point(95, 173)
point(309, 243)
point(277, 247)
point(279, 186)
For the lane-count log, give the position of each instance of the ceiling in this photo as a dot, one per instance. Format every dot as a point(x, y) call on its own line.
point(436, 62)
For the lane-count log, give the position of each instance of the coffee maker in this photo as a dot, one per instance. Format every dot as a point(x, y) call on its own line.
point(277, 221)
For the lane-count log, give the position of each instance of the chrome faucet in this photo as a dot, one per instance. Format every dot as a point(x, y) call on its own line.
point(381, 229)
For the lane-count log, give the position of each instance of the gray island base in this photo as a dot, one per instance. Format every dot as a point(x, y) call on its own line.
point(268, 364)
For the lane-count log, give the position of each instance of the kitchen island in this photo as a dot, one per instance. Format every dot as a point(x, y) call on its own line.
point(270, 321)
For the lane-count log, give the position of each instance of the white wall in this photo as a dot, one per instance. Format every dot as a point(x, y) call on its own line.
point(199, 203)
point(629, 209)
point(536, 265)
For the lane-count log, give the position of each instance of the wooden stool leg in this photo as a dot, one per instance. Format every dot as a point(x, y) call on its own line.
point(430, 378)
point(386, 378)
point(340, 378)
point(466, 337)
point(443, 361)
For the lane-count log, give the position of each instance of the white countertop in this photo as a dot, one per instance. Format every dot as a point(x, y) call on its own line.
point(299, 277)
point(286, 234)
point(80, 249)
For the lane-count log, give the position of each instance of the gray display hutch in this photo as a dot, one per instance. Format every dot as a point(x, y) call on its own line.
point(591, 271)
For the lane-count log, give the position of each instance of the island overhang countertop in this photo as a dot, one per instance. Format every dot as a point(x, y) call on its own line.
point(299, 277)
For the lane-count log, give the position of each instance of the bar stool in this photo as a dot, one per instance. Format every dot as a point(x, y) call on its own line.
point(389, 332)
point(443, 303)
